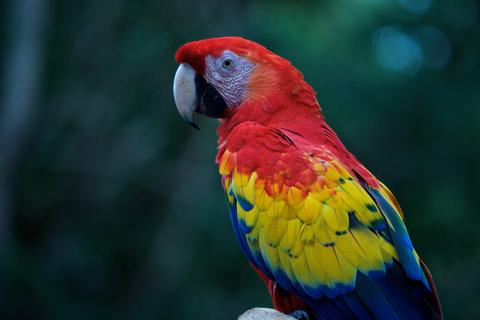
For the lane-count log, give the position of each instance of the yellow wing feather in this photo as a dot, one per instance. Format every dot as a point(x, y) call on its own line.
point(319, 236)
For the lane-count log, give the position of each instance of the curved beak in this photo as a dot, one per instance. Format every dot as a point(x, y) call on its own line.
point(193, 94)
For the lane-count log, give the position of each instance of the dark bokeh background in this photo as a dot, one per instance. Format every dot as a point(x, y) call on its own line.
point(111, 206)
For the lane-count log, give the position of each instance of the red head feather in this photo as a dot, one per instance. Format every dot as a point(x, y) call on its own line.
point(276, 91)
point(272, 71)
point(195, 52)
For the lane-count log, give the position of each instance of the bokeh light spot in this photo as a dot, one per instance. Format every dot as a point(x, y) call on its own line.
point(397, 51)
point(417, 6)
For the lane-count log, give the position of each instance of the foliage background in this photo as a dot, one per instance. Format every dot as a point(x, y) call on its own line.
point(111, 207)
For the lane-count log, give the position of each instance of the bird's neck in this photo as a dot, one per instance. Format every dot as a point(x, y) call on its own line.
point(279, 110)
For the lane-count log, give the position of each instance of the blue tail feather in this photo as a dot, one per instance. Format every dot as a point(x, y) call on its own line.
point(358, 308)
point(390, 296)
point(372, 296)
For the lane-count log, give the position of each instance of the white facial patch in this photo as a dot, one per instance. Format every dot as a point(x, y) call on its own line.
point(229, 79)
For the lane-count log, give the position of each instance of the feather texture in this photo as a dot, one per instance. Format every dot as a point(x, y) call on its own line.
point(323, 233)
point(320, 231)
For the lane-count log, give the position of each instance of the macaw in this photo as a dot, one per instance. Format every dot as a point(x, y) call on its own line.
point(327, 237)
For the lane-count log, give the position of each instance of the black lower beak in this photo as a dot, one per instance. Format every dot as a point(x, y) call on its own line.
point(209, 101)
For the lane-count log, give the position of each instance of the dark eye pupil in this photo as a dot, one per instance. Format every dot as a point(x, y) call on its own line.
point(227, 63)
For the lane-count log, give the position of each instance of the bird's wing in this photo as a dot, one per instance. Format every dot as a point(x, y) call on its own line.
point(310, 224)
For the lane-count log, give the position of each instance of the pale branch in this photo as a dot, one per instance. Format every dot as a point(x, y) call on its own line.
point(264, 314)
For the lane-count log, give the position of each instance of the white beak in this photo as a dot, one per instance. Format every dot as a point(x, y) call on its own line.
point(185, 93)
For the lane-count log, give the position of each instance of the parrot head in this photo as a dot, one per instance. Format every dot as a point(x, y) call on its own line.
point(217, 76)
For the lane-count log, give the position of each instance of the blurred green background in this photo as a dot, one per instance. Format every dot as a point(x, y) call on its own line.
point(111, 206)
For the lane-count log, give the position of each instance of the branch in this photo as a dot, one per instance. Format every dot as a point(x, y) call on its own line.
point(264, 314)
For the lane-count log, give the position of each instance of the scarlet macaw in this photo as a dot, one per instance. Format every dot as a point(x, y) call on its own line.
point(325, 235)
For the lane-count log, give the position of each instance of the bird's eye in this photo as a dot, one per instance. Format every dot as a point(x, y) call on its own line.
point(227, 63)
